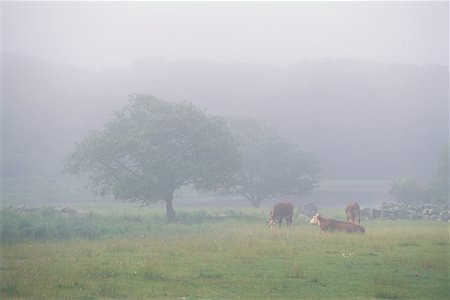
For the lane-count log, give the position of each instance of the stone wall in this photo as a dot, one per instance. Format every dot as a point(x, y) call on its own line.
point(394, 211)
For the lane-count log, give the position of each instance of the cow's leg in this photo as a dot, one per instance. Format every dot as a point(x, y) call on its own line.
point(289, 222)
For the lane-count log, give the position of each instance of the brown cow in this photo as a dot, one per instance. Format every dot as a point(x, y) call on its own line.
point(280, 211)
point(334, 225)
point(352, 212)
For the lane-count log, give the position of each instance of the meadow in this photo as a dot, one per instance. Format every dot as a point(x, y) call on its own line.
point(216, 254)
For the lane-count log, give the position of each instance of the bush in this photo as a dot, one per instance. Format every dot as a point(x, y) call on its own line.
point(48, 224)
point(45, 224)
point(409, 191)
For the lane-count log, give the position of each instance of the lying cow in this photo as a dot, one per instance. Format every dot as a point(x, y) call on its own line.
point(281, 210)
point(353, 213)
point(334, 225)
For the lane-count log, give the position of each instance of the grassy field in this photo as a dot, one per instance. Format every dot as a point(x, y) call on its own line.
point(205, 255)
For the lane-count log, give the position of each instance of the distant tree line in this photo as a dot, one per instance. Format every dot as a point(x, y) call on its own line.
point(152, 147)
point(47, 106)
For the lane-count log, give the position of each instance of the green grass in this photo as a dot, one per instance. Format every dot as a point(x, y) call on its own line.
point(136, 255)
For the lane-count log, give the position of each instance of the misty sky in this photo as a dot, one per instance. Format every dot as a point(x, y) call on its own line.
point(117, 33)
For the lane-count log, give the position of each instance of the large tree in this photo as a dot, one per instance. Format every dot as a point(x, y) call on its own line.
point(151, 148)
point(269, 165)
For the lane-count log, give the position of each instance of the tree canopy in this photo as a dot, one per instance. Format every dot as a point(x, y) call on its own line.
point(269, 165)
point(151, 148)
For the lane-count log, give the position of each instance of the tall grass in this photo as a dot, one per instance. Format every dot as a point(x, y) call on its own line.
point(47, 224)
point(206, 255)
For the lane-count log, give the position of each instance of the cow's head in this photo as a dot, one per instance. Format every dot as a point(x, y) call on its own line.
point(273, 220)
point(315, 220)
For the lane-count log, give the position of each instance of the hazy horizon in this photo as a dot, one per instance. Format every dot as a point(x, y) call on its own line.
point(113, 34)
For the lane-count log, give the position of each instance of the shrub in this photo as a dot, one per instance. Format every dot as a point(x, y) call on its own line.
point(409, 191)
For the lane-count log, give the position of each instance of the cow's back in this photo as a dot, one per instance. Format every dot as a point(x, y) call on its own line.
point(283, 209)
point(335, 225)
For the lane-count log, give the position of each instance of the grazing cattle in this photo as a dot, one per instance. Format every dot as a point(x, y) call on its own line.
point(281, 210)
point(352, 212)
point(309, 210)
point(334, 225)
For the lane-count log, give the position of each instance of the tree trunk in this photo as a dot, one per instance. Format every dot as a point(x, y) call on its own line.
point(169, 209)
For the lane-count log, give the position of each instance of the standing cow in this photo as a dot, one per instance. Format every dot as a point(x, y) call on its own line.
point(353, 213)
point(282, 210)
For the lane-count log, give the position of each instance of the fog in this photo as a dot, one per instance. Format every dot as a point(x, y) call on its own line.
point(117, 33)
point(337, 111)
point(362, 84)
